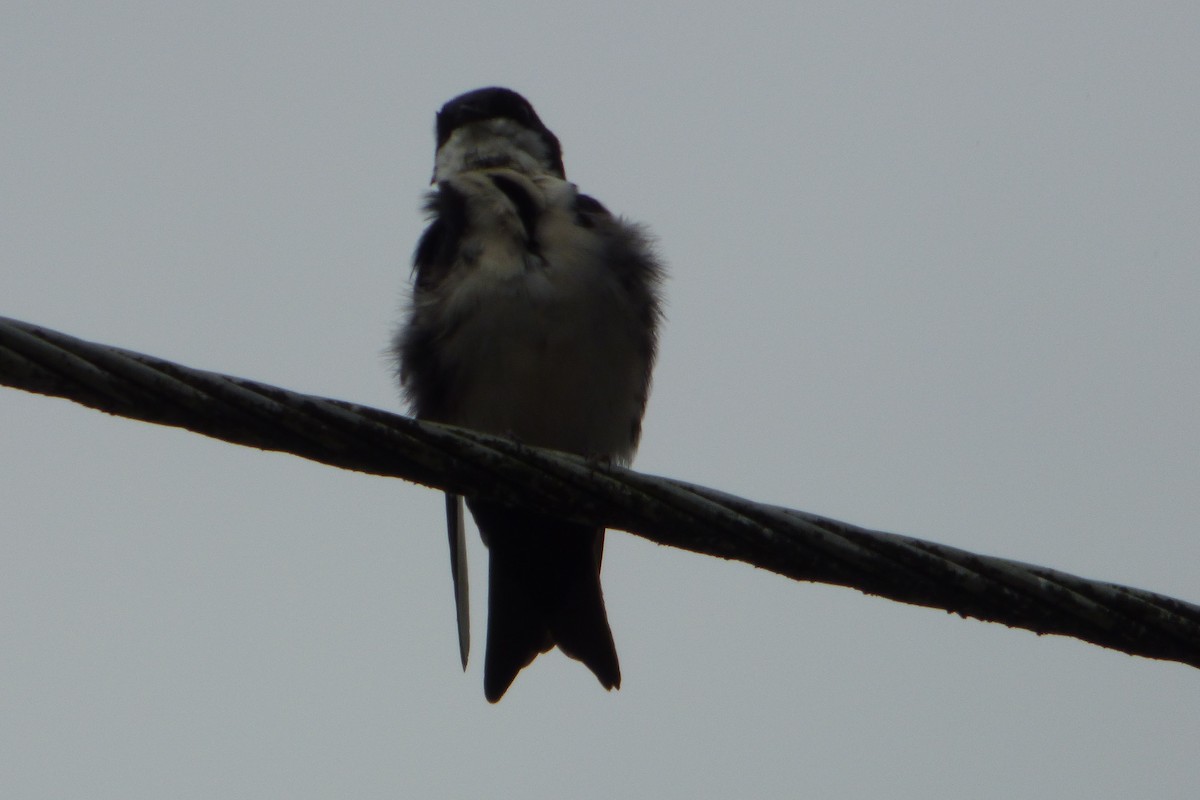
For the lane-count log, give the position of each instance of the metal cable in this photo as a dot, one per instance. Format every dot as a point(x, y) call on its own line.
point(793, 543)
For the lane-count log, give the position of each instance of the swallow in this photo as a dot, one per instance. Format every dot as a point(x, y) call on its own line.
point(534, 315)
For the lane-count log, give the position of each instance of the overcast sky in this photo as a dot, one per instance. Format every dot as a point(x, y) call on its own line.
point(935, 269)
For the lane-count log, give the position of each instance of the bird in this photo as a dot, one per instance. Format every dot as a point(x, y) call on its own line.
point(534, 315)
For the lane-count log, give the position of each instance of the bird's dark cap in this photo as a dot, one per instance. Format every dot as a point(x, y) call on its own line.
point(493, 102)
point(490, 103)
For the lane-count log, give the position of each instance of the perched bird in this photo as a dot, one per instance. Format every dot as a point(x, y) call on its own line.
point(533, 315)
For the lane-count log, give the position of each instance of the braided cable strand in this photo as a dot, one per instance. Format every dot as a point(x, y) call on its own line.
point(794, 543)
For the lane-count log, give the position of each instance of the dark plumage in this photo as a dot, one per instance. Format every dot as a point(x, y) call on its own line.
point(534, 315)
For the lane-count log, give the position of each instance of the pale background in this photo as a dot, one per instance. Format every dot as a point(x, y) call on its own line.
point(934, 270)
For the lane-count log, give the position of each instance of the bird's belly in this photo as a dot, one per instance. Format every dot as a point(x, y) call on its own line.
point(562, 374)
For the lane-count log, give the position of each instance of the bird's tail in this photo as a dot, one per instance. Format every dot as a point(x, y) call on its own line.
point(543, 590)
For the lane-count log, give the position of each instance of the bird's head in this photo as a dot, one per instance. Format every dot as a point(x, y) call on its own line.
point(490, 128)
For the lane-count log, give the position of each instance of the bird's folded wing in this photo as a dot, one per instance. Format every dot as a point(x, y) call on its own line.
point(455, 529)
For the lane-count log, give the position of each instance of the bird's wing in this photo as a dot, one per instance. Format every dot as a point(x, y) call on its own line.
point(455, 529)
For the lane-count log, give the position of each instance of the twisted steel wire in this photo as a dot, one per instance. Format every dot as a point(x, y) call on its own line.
point(794, 543)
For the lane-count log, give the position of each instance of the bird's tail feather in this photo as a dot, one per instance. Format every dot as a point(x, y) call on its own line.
point(543, 590)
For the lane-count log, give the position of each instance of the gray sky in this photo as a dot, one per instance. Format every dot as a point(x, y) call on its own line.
point(934, 270)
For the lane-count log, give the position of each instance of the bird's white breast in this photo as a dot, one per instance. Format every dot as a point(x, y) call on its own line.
point(543, 345)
